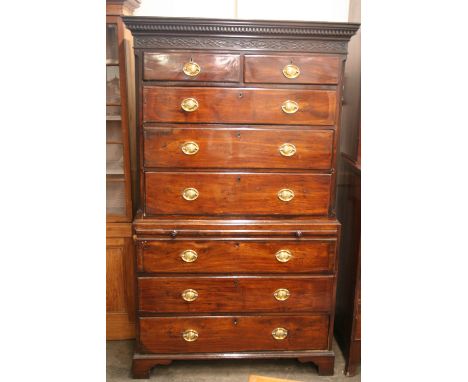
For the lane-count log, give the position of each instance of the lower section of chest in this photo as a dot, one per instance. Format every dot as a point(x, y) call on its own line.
point(209, 288)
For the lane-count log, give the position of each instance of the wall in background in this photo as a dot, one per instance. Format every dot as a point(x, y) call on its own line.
point(314, 10)
point(198, 8)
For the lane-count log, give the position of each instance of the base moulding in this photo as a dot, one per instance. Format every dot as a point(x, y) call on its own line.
point(143, 363)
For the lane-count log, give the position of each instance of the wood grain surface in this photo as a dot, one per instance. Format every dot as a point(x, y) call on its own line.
point(235, 294)
point(213, 66)
point(314, 69)
point(239, 105)
point(237, 193)
point(238, 147)
point(223, 256)
point(233, 333)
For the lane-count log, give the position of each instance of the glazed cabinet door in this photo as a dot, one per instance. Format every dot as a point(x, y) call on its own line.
point(118, 177)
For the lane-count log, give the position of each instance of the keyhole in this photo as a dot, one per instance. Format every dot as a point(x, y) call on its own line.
point(240, 95)
point(239, 179)
point(238, 135)
point(234, 321)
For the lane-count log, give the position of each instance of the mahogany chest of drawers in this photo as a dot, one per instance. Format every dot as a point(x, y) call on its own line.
point(236, 236)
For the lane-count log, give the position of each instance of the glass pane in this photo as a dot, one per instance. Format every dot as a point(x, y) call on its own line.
point(113, 132)
point(113, 85)
point(115, 193)
point(113, 113)
point(114, 159)
point(112, 51)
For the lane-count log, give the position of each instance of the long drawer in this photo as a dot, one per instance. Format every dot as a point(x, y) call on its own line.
point(239, 105)
point(205, 294)
point(233, 333)
point(227, 256)
point(208, 147)
point(237, 193)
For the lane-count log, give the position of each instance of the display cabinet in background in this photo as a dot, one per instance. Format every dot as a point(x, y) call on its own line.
point(120, 129)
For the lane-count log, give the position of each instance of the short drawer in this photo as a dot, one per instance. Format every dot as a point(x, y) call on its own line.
point(239, 105)
point(191, 66)
point(205, 294)
point(170, 146)
point(233, 333)
point(292, 69)
point(226, 256)
point(237, 193)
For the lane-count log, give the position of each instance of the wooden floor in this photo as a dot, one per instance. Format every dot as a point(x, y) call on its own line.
point(119, 359)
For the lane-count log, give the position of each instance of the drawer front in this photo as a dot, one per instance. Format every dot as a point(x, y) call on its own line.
point(235, 294)
point(237, 193)
point(233, 333)
point(292, 69)
point(191, 66)
point(216, 256)
point(238, 148)
point(238, 105)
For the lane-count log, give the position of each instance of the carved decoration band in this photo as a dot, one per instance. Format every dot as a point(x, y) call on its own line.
point(330, 46)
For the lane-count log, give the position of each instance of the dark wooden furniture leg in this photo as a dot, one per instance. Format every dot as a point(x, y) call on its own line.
point(141, 368)
point(325, 365)
point(354, 358)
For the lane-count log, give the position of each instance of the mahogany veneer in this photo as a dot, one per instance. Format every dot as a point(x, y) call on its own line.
point(236, 237)
point(239, 105)
point(237, 193)
point(233, 333)
point(216, 67)
point(235, 294)
point(235, 256)
point(238, 147)
point(314, 69)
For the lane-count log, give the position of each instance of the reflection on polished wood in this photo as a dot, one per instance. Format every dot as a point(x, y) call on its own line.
point(240, 105)
point(225, 146)
point(211, 67)
point(237, 193)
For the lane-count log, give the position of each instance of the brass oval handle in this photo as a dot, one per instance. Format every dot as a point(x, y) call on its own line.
point(287, 149)
point(189, 104)
point(191, 68)
point(285, 194)
point(190, 148)
point(281, 294)
point(190, 194)
point(290, 107)
point(283, 255)
point(279, 333)
point(189, 255)
point(189, 295)
point(291, 71)
point(190, 335)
